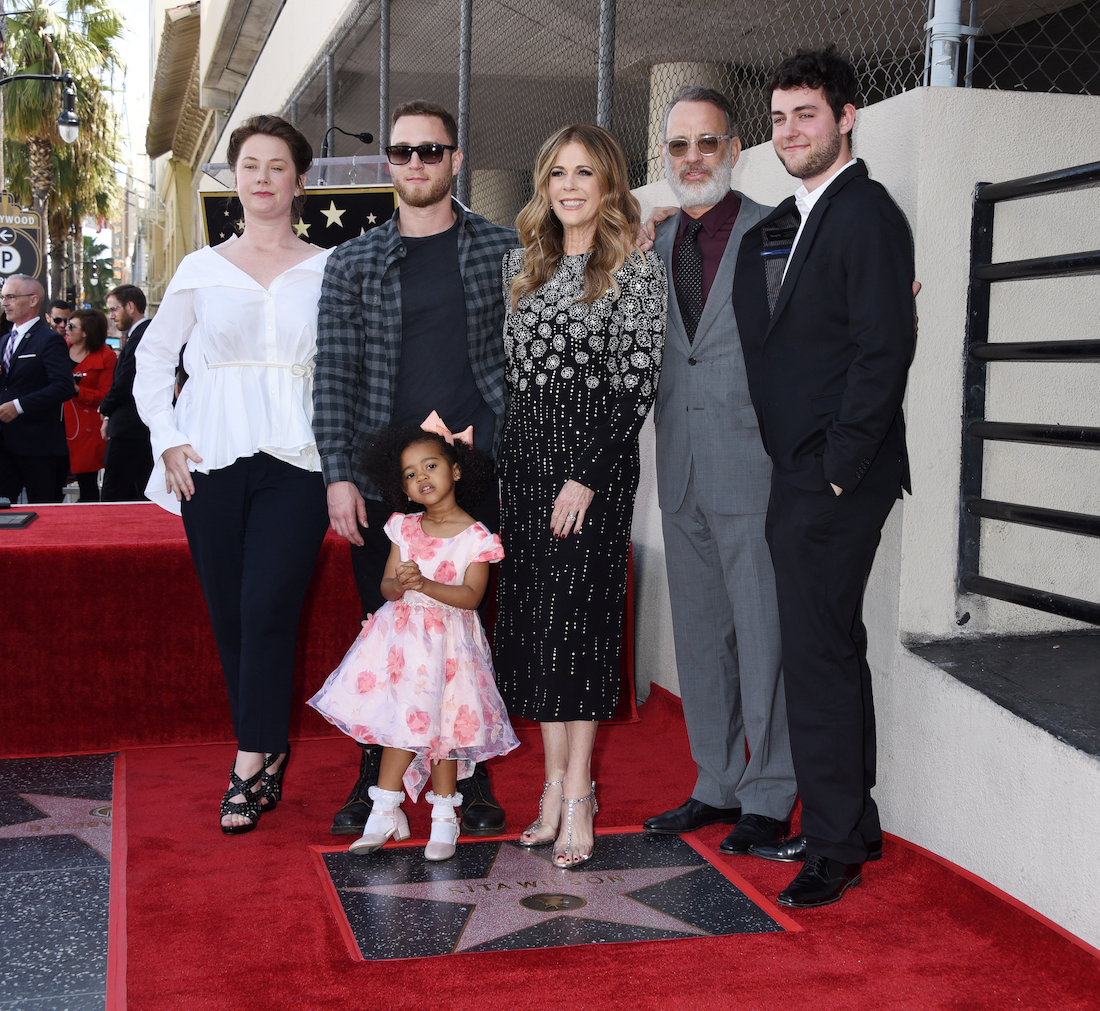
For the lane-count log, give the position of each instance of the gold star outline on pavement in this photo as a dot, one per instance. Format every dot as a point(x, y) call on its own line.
point(333, 216)
point(88, 820)
point(302, 228)
point(497, 910)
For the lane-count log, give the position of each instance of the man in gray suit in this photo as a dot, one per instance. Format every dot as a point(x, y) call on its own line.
point(713, 480)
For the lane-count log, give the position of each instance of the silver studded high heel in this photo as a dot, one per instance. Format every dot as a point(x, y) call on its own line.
point(561, 857)
point(533, 828)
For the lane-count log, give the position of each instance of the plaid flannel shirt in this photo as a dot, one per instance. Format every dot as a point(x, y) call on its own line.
point(359, 336)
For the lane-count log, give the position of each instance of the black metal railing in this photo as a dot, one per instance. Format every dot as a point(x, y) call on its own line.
point(977, 430)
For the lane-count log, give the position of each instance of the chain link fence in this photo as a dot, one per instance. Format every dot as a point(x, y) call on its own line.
point(535, 65)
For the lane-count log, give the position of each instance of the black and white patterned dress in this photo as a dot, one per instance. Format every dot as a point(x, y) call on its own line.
point(581, 379)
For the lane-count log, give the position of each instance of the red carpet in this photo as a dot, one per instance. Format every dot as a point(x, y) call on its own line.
point(241, 923)
point(110, 645)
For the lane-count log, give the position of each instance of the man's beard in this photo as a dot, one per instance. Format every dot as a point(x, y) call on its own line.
point(813, 163)
point(705, 193)
point(421, 197)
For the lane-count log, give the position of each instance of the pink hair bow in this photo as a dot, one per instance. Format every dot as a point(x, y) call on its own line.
point(434, 423)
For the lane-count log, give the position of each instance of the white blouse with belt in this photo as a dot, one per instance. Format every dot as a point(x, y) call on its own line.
point(249, 360)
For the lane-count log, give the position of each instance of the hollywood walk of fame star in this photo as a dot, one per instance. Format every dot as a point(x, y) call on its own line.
point(302, 228)
point(516, 873)
point(372, 219)
point(66, 816)
point(332, 215)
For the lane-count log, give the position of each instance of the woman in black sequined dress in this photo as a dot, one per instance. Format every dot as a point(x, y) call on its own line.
point(583, 339)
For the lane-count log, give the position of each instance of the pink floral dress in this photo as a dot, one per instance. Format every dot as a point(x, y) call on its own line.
point(420, 675)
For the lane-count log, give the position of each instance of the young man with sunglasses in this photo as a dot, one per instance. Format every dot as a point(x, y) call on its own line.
point(57, 315)
point(713, 478)
point(409, 321)
point(36, 378)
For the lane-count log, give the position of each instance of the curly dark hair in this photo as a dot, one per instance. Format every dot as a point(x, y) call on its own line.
point(382, 461)
point(817, 68)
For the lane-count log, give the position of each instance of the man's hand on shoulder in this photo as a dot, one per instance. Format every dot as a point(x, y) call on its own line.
point(647, 232)
point(346, 511)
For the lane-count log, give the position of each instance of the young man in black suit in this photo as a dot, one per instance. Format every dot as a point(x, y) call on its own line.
point(129, 458)
point(825, 310)
point(36, 378)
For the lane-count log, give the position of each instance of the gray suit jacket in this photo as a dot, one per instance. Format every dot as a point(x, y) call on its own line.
point(703, 412)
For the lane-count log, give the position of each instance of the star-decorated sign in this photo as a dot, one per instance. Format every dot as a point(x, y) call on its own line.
point(88, 820)
point(332, 214)
point(498, 896)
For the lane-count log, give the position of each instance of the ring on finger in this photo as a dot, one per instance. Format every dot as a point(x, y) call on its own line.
point(572, 516)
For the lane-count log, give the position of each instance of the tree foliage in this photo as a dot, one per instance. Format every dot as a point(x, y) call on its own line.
point(72, 181)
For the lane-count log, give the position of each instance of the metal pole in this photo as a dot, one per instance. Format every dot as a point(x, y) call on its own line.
point(605, 84)
point(945, 38)
point(330, 96)
point(465, 37)
point(384, 77)
point(971, 43)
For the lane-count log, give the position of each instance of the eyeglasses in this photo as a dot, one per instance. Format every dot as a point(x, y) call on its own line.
point(8, 298)
point(706, 145)
point(72, 326)
point(58, 320)
point(429, 154)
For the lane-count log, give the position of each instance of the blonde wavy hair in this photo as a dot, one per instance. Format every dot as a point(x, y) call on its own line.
point(617, 222)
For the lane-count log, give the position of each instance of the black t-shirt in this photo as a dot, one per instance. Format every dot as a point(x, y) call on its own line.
point(435, 373)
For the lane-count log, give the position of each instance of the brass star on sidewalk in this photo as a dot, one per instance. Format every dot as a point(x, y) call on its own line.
point(88, 820)
point(332, 215)
point(498, 909)
point(302, 228)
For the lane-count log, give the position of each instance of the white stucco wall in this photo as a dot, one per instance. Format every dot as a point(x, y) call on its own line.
point(958, 774)
point(296, 39)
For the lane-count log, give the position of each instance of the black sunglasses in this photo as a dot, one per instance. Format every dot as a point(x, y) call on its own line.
point(429, 154)
point(58, 320)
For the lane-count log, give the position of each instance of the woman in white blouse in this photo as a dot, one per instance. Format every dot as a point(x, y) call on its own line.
point(236, 454)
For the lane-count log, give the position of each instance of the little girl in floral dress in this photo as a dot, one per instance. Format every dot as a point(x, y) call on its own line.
point(419, 678)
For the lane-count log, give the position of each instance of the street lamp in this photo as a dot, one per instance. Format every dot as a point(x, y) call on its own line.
point(68, 124)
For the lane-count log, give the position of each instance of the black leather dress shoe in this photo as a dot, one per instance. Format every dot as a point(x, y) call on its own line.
point(689, 816)
point(821, 882)
point(481, 814)
point(752, 829)
point(793, 850)
point(351, 818)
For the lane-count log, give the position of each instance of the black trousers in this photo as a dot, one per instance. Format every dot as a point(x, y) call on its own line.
point(822, 547)
point(255, 529)
point(42, 476)
point(126, 469)
point(369, 561)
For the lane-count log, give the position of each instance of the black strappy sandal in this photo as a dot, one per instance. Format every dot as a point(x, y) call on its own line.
point(248, 808)
point(271, 783)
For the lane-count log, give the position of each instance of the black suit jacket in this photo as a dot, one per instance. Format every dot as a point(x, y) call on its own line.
point(41, 379)
point(119, 404)
point(827, 367)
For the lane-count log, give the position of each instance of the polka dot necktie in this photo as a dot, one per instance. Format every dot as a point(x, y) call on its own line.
point(689, 279)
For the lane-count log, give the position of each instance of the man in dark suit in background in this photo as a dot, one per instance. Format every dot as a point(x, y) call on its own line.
point(57, 315)
point(825, 311)
point(36, 378)
point(129, 459)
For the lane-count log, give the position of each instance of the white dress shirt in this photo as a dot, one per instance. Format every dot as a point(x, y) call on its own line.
point(805, 200)
point(249, 361)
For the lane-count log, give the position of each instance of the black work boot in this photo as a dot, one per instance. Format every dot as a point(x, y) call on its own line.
point(481, 814)
point(351, 818)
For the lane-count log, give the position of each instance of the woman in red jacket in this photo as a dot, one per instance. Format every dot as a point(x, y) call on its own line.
point(93, 370)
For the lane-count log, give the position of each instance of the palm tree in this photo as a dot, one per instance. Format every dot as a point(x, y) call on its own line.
point(79, 35)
